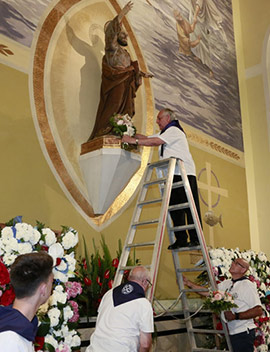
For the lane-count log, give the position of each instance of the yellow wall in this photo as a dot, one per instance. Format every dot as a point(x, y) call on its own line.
point(29, 188)
point(251, 25)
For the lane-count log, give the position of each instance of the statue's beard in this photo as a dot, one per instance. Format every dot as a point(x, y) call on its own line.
point(122, 43)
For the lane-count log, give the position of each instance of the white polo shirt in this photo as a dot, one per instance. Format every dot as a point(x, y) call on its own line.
point(10, 341)
point(118, 328)
point(176, 145)
point(246, 297)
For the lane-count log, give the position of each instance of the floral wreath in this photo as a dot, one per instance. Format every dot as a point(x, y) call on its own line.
point(58, 317)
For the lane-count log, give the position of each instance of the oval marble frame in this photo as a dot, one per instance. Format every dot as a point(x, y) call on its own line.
point(51, 149)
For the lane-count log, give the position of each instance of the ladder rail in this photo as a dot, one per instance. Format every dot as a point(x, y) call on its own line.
point(131, 234)
point(161, 227)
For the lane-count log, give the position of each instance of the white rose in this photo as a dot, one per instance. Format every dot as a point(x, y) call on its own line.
point(51, 340)
point(58, 296)
point(58, 275)
point(54, 315)
point(8, 259)
point(71, 262)
point(24, 247)
point(11, 246)
point(35, 236)
point(68, 313)
point(23, 235)
point(50, 237)
point(56, 251)
point(262, 257)
point(7, 233)
point(76, 341)
point(69, 240)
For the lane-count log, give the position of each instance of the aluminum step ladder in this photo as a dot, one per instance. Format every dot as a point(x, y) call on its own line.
point(159, 175)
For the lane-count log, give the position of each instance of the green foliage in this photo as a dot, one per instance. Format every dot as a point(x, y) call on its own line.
point(96, 273)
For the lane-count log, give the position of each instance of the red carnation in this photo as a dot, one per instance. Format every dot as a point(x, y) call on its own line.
point(110, 283)
point(115, 262)
point(4, 274)
point(39, 343)
point(7, 297)
point(45, 248)
point(87, 281)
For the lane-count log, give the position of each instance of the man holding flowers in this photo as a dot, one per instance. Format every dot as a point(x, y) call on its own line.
point(244, 292)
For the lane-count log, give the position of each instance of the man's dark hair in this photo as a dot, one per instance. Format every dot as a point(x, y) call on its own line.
point(28, 271)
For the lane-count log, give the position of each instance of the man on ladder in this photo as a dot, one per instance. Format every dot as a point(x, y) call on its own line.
point(172, 142)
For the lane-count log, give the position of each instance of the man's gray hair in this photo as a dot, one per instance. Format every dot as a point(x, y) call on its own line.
point(139, 273)
point(171, 113)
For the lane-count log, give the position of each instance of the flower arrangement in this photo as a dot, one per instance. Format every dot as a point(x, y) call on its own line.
point(219, 301)
point(122, 125)
point(57, 317)
point(96, 274)
point(259, 272)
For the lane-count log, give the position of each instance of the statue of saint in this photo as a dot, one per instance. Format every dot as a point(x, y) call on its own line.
point(121, 77)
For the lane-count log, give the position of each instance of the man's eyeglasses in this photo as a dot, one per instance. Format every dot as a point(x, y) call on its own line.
point(149, 282)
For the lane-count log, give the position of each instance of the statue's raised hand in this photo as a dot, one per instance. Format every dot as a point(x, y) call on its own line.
point(125, 10)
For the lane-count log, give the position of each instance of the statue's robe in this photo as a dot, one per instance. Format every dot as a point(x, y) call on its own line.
point(120, 80)
point(117, 93)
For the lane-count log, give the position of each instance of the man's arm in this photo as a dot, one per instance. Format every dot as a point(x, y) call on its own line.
point(147, 142)
point(145, 341)
point(248, 314)
point(192, 285)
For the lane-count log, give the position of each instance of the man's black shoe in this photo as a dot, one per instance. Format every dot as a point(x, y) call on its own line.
point(193, 244)
point(177, 244)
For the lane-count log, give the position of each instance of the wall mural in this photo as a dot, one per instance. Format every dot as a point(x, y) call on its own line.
point(188, 45)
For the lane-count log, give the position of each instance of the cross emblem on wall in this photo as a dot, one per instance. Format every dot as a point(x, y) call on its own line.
point(212, 187)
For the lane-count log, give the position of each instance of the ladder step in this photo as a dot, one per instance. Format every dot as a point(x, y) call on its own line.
point(159, 163)
point(186, 290)
point(183, 228)
point(178, 184)
point(201, 349)
point(207, 331)
point(144, 244)
point(123, 268)
point(152, 201)
point(155, 182)
point(178, 206)
point(146, 222)
point(190, 270)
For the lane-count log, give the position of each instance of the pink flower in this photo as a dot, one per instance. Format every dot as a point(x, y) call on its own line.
point(217, 296)
point(73, 289)
point(64, 348)
point(75, 308)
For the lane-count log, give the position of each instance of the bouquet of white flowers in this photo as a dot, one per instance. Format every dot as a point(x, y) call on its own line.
point(219, 301)
point(122, 125)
